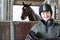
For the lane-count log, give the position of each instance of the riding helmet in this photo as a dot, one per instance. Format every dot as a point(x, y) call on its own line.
point(45, 7)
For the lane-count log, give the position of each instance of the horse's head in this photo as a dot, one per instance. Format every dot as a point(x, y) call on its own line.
point(25, 11)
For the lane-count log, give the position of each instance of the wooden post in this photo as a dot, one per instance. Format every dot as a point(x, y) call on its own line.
point(11, 31)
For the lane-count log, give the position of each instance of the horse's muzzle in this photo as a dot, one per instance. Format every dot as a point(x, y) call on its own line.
point(22, 18)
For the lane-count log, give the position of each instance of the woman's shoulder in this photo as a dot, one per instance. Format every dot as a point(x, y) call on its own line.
point(37, 24)
point(35, 27)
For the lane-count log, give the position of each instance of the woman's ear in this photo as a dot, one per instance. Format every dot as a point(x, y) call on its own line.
point(40, 16)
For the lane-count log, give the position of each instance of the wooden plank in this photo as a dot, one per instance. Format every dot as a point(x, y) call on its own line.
point(34, 3)
point(29, 0)
point(21, 29)
point(4, 30)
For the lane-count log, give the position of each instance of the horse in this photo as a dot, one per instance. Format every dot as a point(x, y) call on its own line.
point(28, 12)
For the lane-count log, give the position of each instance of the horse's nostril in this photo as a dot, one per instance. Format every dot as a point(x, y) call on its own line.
point(22, 18)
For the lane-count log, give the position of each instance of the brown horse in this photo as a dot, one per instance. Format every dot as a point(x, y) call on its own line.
point(28, 12)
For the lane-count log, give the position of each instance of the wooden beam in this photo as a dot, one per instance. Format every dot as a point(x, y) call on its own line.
point(27, 2)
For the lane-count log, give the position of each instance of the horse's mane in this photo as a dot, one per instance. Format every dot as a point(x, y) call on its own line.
point(33, 13)
point(32, 10)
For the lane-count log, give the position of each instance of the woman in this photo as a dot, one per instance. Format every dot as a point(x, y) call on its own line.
point(46, 28)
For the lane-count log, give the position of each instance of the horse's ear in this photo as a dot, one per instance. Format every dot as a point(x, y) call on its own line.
point(23, 3)
point(30, 3)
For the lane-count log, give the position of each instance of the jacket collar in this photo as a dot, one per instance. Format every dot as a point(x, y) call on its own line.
point(46, 23)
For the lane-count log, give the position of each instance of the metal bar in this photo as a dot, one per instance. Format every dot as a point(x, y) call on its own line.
point(11, 31)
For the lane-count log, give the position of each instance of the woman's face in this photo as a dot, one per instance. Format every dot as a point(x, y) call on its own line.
point(46, 15)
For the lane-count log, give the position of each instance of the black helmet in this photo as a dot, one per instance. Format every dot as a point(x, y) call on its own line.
point(45, 7)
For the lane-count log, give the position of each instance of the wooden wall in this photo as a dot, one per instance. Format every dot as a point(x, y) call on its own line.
point(34, 2)
point(4, 30)
point(21, 29)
